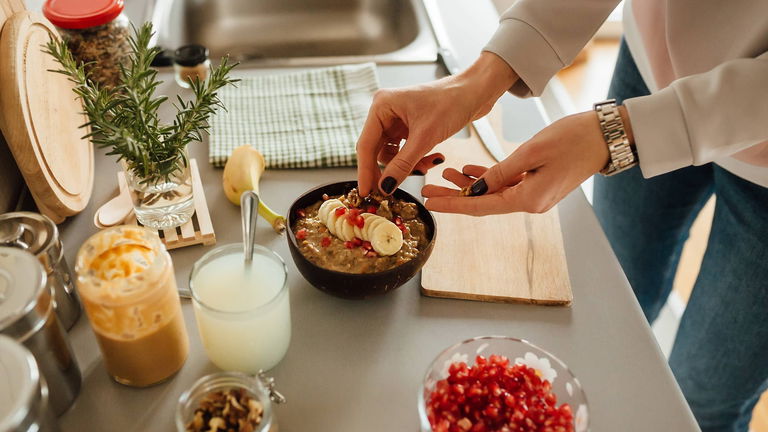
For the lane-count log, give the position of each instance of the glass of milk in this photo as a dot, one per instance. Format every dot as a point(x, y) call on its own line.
point(242, 310)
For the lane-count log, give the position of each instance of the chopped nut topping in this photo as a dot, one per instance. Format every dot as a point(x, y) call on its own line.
point(220, 411)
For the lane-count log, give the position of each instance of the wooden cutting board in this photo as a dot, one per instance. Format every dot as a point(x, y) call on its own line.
point(40, 118)
point(516, 257)
point(11, 182)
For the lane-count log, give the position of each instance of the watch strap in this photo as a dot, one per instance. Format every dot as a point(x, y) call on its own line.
point(623, 154)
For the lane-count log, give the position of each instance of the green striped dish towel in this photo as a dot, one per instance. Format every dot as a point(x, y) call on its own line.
point(307, 119)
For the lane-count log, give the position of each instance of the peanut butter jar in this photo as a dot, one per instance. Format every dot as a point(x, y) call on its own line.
point(126, 283)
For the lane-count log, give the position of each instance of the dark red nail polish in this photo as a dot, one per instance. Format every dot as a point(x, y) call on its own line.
point(438, 161)
point(417, 172)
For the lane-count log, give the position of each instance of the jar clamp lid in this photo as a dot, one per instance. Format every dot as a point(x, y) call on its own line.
point(190, 55)
point(24, 300)
point(34, 233)
point(19, 385)
point(80, 14)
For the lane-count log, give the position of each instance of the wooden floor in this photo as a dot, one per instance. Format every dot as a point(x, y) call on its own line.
point(587, 82)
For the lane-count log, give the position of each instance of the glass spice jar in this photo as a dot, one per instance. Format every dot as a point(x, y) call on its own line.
point(96, 32)
point(190, 62)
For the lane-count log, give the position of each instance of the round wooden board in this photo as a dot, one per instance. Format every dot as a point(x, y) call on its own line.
point(40, 118)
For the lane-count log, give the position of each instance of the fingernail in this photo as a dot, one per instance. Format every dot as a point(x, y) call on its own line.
point(417, 172)
point(388, 185)
point(438, 161)
point(478, 188)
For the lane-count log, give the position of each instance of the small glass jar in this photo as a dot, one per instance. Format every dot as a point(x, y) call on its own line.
point(189, 401)
point(191, 62)
point(127, 285)
point(96, 31)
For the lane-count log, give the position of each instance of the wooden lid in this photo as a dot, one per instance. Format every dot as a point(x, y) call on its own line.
point(40, 118)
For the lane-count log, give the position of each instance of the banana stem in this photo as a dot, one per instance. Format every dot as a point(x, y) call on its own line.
point(277, 221)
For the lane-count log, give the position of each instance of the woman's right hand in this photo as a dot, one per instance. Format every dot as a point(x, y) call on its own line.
point(424, 115)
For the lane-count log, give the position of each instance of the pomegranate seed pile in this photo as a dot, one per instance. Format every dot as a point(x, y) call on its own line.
point(496, 396)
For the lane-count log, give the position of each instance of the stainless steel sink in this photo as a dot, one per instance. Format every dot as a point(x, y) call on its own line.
point(298, 32)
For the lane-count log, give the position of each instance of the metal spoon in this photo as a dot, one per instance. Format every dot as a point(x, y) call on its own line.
point(249, 203)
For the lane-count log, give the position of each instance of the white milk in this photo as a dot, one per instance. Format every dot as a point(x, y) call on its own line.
point(250, 328)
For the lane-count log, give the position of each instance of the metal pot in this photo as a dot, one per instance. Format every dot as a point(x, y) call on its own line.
point(38, 234)
point(23, 391)
point(27, 315)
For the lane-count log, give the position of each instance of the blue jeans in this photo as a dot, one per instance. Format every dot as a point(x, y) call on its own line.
point(720, 355)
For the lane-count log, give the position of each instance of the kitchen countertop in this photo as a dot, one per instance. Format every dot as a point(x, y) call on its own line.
point(357, 365)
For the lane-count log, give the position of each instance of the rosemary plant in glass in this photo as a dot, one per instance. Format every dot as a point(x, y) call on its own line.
point(125, 120)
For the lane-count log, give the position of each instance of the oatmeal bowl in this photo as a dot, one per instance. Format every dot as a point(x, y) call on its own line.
point(357, 247)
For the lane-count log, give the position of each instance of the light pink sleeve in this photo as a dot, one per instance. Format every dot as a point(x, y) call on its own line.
point(540, 37)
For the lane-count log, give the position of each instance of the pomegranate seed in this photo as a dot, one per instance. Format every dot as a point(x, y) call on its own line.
point(403, 228)
point(360, 222)
point(371, 254)
point(348, 244)
point(371, 209)
point(340, 211)
point(301, 234)
point(325, 242)
point(494, 395)
point(300, 213)
point(357, 242)
point(367, 245)
point(398, 220)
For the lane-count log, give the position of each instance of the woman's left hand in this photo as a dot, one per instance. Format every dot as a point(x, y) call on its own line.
point(535, 177)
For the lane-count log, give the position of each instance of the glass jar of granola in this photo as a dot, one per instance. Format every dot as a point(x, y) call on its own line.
point(96, 32)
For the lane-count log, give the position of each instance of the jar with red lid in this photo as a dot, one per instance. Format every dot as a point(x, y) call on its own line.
point(96, 32)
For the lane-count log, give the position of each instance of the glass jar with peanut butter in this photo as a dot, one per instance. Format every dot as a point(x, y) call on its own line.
point(128, 289)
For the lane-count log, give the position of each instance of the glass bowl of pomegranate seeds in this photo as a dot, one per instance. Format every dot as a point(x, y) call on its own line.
point(501, 384)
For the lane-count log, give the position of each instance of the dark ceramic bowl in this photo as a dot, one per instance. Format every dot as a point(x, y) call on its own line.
point(353, 285)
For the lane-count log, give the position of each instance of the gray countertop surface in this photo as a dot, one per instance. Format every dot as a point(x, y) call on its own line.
point(357, 365)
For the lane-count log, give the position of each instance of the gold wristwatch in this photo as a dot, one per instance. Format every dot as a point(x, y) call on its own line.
point(623, 153)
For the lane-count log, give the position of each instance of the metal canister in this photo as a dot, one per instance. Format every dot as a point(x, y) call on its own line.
point(38, 235)
point(27, 315)
point(23, 391)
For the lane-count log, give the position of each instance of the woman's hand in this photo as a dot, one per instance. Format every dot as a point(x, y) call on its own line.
point(424, 116)
point(534, 178)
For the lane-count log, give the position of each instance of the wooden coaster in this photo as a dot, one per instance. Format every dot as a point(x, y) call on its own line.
point(198, 230)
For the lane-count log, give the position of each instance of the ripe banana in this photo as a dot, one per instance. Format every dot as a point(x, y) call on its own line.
point(385, 237)
point(242, 173)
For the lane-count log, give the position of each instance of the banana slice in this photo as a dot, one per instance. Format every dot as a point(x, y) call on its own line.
point(359, 231)
point(341, 221)
point(370, 225)
point(348, 231)
point(327, 207)
point(386, 238)
point(332, 220)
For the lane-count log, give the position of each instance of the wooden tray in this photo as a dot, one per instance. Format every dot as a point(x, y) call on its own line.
point(516, 257)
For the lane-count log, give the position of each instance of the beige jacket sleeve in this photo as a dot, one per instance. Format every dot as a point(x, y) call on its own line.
point(540, 37)
point(705, 116)
point(695, 120)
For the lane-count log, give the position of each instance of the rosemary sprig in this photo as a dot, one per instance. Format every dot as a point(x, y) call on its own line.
point(125, 118)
